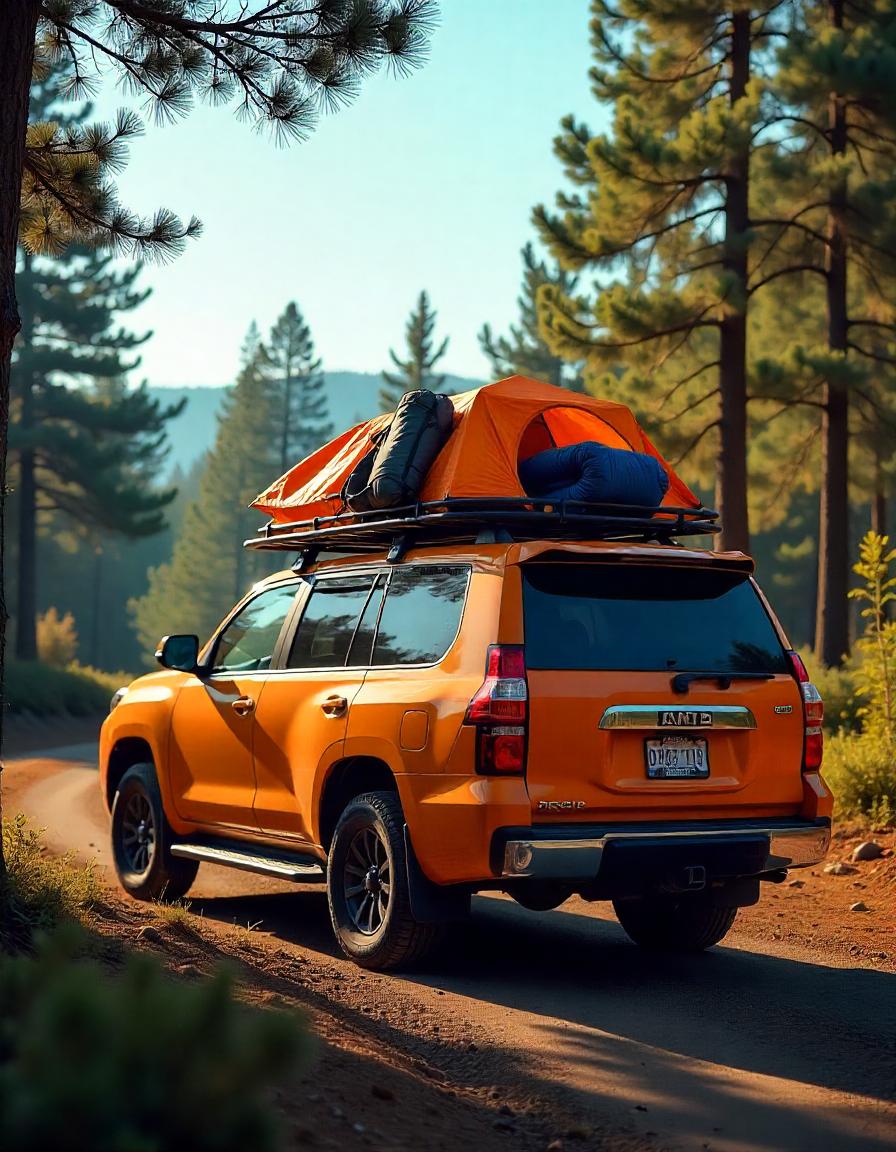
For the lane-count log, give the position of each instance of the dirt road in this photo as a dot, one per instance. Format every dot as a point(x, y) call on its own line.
point(783, 1039)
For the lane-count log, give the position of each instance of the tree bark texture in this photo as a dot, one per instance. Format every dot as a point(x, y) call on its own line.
point(18, 27)
point(832, 619)
point(731, 463)
point(26, 590)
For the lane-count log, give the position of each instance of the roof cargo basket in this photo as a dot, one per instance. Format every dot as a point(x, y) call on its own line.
point(467, 520)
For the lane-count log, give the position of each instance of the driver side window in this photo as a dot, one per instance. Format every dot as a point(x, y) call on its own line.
point(247, 643)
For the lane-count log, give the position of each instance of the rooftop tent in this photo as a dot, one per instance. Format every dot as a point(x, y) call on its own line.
point(495, 427)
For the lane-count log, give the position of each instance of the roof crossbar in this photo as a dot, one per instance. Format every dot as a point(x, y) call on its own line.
point(465, 519)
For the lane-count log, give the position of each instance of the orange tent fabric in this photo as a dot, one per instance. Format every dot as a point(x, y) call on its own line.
point(495, 427)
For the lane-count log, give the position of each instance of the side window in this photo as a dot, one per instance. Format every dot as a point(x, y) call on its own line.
point(329, 621)
point(247, 643)
point(421, 615)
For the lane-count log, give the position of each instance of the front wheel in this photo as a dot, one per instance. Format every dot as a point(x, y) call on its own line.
point(141, 839)
point(367, 886)
point(674, 923)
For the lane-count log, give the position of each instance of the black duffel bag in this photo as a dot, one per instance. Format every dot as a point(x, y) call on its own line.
point(393, 471)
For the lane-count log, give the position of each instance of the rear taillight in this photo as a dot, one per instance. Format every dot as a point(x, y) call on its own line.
point(500, 712)
point(813, 715)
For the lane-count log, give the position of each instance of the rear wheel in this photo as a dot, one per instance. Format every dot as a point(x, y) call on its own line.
point(141, 840)
point(367, 886)
point(674, 923)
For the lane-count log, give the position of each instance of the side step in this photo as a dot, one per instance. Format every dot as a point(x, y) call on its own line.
point(304, 869)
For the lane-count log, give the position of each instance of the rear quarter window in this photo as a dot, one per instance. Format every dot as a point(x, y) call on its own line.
point(421, 614)
point(640, 618)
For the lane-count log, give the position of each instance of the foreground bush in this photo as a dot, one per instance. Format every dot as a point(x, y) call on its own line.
point(42, 690)
point(137, 1062)
point(861, 773)
point(39, 890)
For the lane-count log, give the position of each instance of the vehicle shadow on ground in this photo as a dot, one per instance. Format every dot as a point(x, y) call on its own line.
point(763, 1014)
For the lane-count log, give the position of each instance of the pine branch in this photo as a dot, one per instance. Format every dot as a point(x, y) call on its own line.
point(879, 357)
point(695, 441)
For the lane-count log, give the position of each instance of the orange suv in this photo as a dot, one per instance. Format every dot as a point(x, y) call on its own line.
point(623, 720)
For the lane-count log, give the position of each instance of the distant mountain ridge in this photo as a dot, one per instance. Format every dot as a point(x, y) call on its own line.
point(351, 397)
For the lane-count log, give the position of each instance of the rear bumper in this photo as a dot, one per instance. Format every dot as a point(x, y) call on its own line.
point(598, 853)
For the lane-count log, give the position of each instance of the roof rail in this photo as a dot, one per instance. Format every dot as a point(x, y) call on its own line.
point(468, 519)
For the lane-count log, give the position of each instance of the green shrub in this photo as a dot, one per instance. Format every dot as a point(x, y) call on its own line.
point(860, 766)
point(137, 1062)
point(39, 890)
point(42, 690)
point(862, 775)
point(838, 690)
point(57, 638)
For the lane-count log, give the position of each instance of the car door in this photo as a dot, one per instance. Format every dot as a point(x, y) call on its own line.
point(210, 757)
point(301, 720)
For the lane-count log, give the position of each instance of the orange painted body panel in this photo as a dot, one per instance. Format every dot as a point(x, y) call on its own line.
point(752, 772)
point(263, 776)
point(296, 745)
point(211, 771)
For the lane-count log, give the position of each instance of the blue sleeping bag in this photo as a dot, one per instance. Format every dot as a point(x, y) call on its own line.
point(595, 474)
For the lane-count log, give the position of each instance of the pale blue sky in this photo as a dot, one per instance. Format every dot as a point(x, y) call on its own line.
point(427, 181)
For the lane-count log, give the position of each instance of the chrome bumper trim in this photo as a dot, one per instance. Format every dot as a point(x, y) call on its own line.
point(672, 718)
point(789, 847)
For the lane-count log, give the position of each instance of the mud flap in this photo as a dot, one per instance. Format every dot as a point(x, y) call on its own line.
point(432, 903)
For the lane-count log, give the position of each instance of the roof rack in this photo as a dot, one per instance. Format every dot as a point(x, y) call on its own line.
point(493, 520)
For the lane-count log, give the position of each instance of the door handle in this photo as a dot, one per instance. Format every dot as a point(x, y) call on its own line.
point(334, 707)
point(243, 705)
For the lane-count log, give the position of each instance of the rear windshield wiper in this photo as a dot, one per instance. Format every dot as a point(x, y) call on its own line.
point(682, 681)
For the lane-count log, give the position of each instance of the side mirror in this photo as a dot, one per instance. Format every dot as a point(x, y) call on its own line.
point(180, 653)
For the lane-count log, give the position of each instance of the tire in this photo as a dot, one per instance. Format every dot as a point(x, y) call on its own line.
point(674, 923)
point(141, 840)
point(371, 916)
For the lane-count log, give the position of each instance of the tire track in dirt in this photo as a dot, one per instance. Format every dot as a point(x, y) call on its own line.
point(555, 1017)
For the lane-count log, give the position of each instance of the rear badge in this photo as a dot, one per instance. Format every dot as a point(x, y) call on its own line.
point(684, 719)
point(559, 805)
point(783, 709)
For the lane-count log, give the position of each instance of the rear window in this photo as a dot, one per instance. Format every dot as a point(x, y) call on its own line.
point(632, 618)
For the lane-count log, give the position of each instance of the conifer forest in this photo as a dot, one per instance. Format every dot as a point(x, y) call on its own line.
point(447, 575)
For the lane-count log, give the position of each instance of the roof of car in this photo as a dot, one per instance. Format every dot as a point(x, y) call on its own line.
point(498, 556)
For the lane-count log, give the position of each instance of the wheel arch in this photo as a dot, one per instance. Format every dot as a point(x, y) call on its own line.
point(124, 754)
point(346, 779)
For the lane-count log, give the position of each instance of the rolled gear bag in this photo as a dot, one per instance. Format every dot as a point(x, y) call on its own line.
point(595, 474)
point(393, 471)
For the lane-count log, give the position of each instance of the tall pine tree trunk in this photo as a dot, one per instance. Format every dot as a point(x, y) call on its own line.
point(26, 599)
point(832, 619)
point(18, 27)
point(731, 463)
point(879, 499)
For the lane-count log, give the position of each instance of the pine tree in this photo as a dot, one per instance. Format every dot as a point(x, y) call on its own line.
point(664, 199)
point(832, 186)
point(415, 371)
point(524, 352)
point(82, 444)
point(209, 569)
point(296, 372)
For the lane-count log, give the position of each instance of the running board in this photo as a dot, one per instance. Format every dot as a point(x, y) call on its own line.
point(305, 870)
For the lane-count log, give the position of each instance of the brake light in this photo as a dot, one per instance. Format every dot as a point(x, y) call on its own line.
point(500, 711)
point(813, 715)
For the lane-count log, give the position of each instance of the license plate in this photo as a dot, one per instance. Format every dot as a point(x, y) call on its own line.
point(677, 758)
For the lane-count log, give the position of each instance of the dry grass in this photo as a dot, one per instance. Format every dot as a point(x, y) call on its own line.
point(40, 890)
